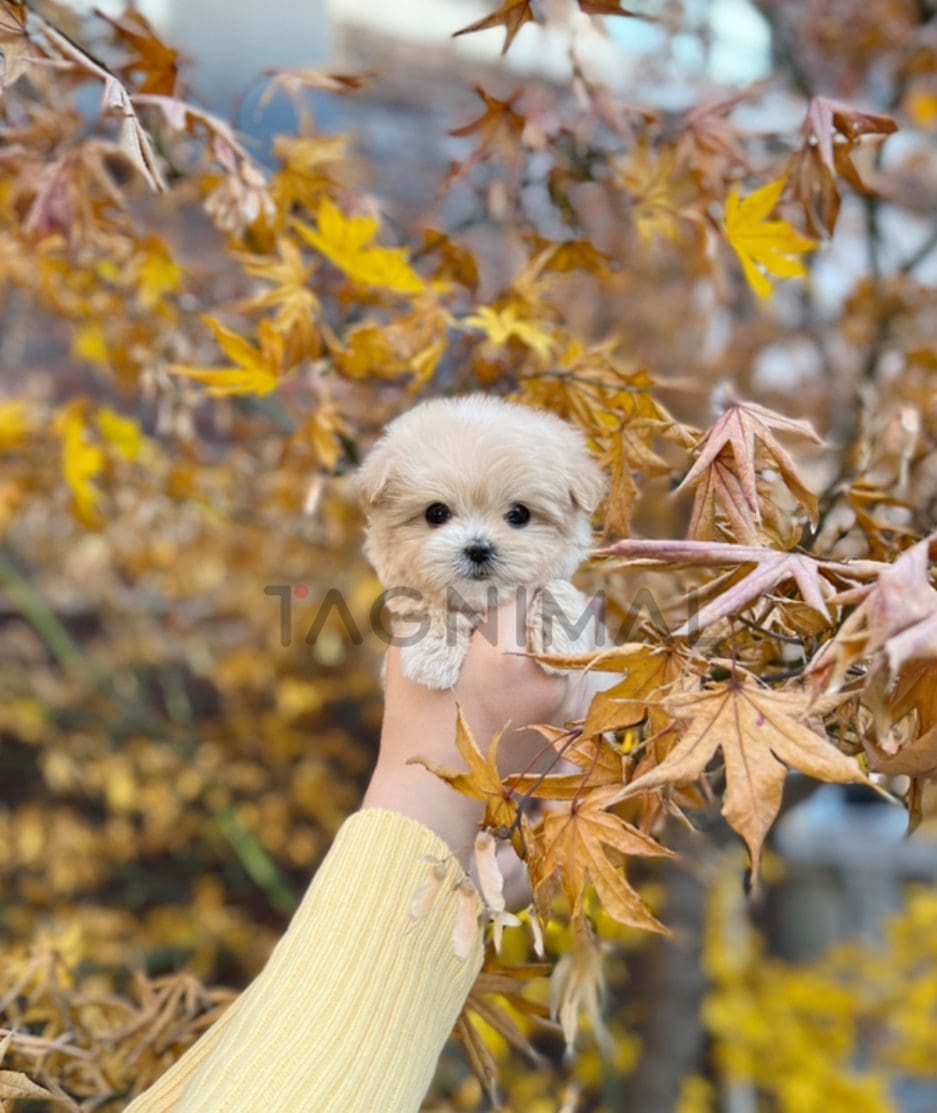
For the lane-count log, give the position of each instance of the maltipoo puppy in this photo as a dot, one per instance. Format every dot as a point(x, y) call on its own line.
point(471, 501)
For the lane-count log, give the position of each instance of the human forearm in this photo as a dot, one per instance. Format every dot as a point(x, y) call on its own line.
point(353, 1008)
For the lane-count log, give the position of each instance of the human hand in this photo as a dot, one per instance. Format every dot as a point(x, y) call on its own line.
point(497, 686)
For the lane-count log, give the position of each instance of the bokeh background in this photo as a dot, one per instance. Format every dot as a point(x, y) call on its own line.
point(184, 724)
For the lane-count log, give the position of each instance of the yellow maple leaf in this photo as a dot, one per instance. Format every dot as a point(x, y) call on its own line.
point(90, 344)
point(310, 167)
point(772, 245)
point(155, 272)
point(14, 423)
point(257, 371)
point(921, 106)
point(502, 325)
point(346, 242)
point(652, 181)
point(326, 429)
point(82, 463)
point(368, 352)
point(289, 292)
point(425, 362)
point(297, 309)
point(121, 433)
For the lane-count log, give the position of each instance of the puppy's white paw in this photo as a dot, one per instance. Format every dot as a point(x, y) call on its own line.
point(560, 621)
point(433, 668)
point(435, 659)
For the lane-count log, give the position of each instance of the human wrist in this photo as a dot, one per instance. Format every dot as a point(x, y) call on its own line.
point(413, 791)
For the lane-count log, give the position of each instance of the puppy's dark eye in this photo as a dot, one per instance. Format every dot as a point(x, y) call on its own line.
point(437, 513)
point(517, 516)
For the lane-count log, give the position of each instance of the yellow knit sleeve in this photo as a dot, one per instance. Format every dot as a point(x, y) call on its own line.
point(352, 1010)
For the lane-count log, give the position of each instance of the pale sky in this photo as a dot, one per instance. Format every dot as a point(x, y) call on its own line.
point(740, 51)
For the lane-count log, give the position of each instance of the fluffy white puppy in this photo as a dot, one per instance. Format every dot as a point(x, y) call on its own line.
point(470, 501)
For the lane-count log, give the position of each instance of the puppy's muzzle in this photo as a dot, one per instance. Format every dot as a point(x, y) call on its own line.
point(479, 554)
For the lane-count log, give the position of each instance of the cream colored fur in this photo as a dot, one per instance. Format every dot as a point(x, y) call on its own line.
point(479, 456)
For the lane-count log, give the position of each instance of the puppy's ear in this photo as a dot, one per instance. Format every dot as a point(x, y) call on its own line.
point(586, 482)
point(373, 475)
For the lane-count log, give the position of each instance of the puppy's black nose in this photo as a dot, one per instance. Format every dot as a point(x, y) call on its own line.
point(478, 551)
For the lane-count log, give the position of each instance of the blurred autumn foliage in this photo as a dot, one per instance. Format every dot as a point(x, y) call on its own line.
point(196, 347)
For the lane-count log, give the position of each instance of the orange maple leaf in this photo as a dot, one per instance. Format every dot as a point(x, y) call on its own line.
point(649, 674)
point(760, 732)
point(601, 764)
point(153, 59)
point(610, 7)
point(499, 128)
point(481, 780)
point(512, 15)
point(569, 851)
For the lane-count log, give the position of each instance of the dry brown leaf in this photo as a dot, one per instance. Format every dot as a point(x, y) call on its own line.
point(745, 431)
point(482, 779)
point(720, 489)
point(771, 568)
point(16, 52)
point(496, 989)
point(600, 764)
point(16, 1086)
point(610, 7)
point(650, 673)
point(917, 758)
point(828, 118)
point(629, 455)
point(830, 132)
point(134, 141)
point(499, 129)
point(512, 15)
point(915, 691)
point(897, 619)
point(760, 733)
point(156, 62)
point(569, 851)
point(578, 986)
